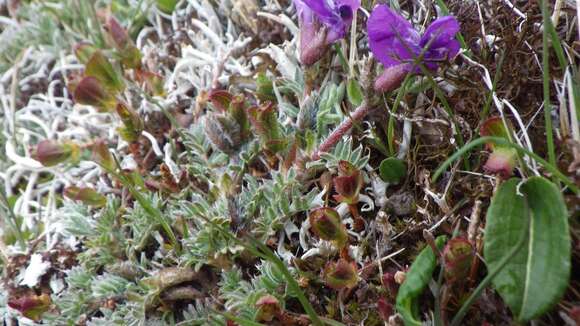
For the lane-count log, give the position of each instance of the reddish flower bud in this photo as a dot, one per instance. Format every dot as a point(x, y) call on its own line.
point(391, 78)
point(385, 309)
point(326, 224)
point(89, 91)
point(348, 183)
point(86, 195)
point(99, 67)
point(51, 152)
point(457, 255)
point(341, 274)
point(31, 306)
point(268, 308)
point(502, 161)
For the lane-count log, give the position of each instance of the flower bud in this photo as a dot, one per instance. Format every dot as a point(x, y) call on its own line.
point(89, 91)
point(223, 132)
point(313, 43)
point(391, 78)
point(385, 309)
point(457, 256)
point(86, 195)
point(51, 152)
point(348, 183)
point(326, 224)
point(341, 274)
point(502, 161)
point(31, 306)
point(268, 308)
point(99, 67)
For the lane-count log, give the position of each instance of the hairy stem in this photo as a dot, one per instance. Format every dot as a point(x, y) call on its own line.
point(341, 130)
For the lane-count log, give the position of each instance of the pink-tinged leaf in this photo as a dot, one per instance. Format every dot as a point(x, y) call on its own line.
point(495, 127)
point(89, 91)
point(102, 156)
point(220, 99)
point(131, 120)
point(152, 82)
point(86, 195)
point(99, 67)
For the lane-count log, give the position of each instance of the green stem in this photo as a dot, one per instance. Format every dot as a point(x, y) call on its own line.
point(391, 125)
point(546, 81)
point(13, 221)
point(503, 142)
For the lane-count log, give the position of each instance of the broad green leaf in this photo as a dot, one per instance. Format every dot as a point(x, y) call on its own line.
point(354, 92)
point(392, 170)
point(416, 280)
point(537, 276)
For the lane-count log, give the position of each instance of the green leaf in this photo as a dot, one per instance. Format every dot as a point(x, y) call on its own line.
point(416, 280)
point(392, 170)
point(167, 6)
point(537, 276)
point(99, 67)
point(354, 92)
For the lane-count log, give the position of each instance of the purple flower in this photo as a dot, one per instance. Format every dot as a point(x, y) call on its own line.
point(322, 22)
point(394, 41)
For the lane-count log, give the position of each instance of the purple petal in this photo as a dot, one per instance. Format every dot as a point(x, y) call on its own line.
point(320, 7)
point(440, 37)
point(392, 39)
point(352, 4)
point(305, 14)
